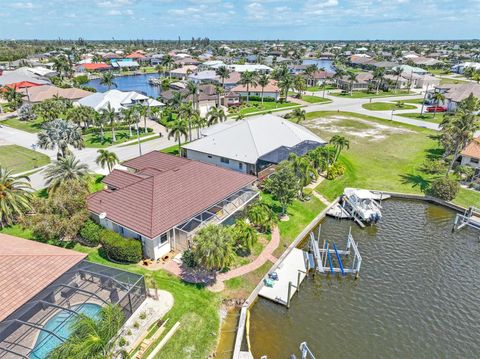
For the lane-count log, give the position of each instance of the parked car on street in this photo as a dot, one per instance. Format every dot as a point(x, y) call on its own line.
point(436, 109)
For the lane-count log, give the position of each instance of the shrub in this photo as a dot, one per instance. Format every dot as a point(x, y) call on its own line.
point(335, 170)
point(433, 166)
point(259, 98)
point(122, 342)
point(118, 248)
point(188, 258)
point(444, 188)
point(91, 233)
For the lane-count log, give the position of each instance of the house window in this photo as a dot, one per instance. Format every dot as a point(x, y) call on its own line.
point(224, 160)
point(209, 156)
point(240, 165)
point(163, 239)
point(474, 160)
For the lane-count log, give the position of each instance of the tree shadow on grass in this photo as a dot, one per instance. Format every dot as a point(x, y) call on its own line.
point(416, 181)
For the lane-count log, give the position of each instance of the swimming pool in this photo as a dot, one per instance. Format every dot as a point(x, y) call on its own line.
point(60, 325)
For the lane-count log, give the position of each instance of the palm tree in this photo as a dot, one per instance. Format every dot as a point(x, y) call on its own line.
point(11, 95)
point(129, 118)
point(244, 235)
point(110, 116)
point(216, 115)
point(188, 113)
point(298, 114)
point(261, 216)
point(248, 79)
point(240, 116)
point(81, 115)
point(303, 169)
point(437, 98)
point(223, 72)
point(199, 122)
point(397, 71)
point(310, 73)
point(107, 80)
point(65, 169)
point(60, 134)
point(339, 142)
point(286, 84)
point(178, 129)
point(15, 196)
point(352, 77)
point(176, 100)
point(263, 81)
point(213, 247)
point(167, 62)
point(92, 336)
point(378, 74)
point(192, 89)
point(106, 158)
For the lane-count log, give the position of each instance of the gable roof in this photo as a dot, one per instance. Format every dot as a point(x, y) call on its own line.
point(472, 149)
point(117, 100)
point(174, 190)
point(27, 267)
point(249, 139)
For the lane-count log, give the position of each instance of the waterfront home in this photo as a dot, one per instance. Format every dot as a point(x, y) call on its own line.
point(125, 64)
point(43, 285)
point(117, 100)
point(207, 76)
point(92, 67)
point(232, 80)
point(248, 146)
point(259, 68)
point(21, 79)
point(206, 98)
point(470, 156)
point(318, 78)
point(163, 200)
point(38, 94)
point(460, 68)
point(183, 72)
point(271, 91)
point(411, 69)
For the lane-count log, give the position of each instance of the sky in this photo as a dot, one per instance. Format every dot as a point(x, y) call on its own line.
point(240, 19)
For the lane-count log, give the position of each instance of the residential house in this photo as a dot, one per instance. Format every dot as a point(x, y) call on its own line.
point(38, 94)
point(204, 77)
point(362, 82)
point(92, 67)
point(118, 100)
point(163, 200)
point(318, 78)
point(125, 64)
point(183, 72)
point(470, 156)
point(270, 91)
point(251, 145)
point(455, 93)
point(460, 68)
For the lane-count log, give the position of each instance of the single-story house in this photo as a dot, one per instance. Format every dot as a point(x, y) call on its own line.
point(20, 79)
point(92, 66)
point(411, 69)
point(38, 94)
point(207, 76)
point(362, 82)
point(470, 156)
point(207, 96)
point(455, 93)
point(128, 64)
point(250, 67)
point(232, 80)
point(297, 69)
point(183, 72)
point(318, 78)
point(460, 68)
point(240, 145)
point(42, 286)
point(117, 99)
point(271, 90)
point(163, 200)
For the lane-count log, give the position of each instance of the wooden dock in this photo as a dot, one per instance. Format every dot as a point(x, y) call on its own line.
point(291, 272)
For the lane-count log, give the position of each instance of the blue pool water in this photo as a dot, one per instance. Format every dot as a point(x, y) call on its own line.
point(137, 83)
point(60, 325)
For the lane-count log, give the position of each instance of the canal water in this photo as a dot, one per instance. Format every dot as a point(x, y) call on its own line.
point(326, 64)
point(418, 295)
point(137, 83)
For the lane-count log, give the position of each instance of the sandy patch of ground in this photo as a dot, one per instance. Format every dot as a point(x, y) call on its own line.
point(365, 129)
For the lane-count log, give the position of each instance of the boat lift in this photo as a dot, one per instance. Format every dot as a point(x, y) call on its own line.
point(325, 254)
point(470, 218)
point(305, 352)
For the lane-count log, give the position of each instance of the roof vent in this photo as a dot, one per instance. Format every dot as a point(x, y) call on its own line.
point(102, 215)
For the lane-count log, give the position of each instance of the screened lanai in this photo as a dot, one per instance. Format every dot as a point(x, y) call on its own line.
point(42, 323)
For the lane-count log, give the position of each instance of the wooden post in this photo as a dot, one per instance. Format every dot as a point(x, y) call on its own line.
point(288, 294)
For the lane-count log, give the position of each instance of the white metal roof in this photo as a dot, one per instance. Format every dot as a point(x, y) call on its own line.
point(249, 139)
point(117, 100)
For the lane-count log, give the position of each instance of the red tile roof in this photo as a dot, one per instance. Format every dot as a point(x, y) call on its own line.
point(27, 267)
point(176, 190)
point(95, 66)
point(120, 179)
point(472, 149)
point(135, 55)
point(271, 87)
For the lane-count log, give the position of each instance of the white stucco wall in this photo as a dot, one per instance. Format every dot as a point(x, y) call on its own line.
point(467, 161)
point(216, 160)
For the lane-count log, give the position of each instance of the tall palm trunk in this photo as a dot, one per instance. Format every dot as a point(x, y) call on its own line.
point(455, 156)
point(114, 139)
point(248, 93)
point(262, 94)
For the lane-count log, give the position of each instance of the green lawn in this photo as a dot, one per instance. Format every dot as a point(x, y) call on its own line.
point(94, 140)
point(447, 80)
point(383, 158)
point(365, 94)
point(386, 106)
point(196, 308)
point(426, 116)
point(141, 141)
point(21, 159)
point(256, 106)
point(315, 99)
point(33, 126)
point(172, 150)
point(415, 101)
point(320, 88)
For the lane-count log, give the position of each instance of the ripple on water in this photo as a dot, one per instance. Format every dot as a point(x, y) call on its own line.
point(417, 296)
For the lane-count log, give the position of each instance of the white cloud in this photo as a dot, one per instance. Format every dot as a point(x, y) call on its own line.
point(24, 5)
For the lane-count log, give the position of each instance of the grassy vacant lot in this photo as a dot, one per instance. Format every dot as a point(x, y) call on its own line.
point(426, 116)
point(257, 106)
point(33, 126)
point(366, 94)
point(386, 106)
point(382, 155)
point(21, 159)
point(94, 140)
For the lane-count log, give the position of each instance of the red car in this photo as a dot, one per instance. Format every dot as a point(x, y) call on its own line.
point(436, 109)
